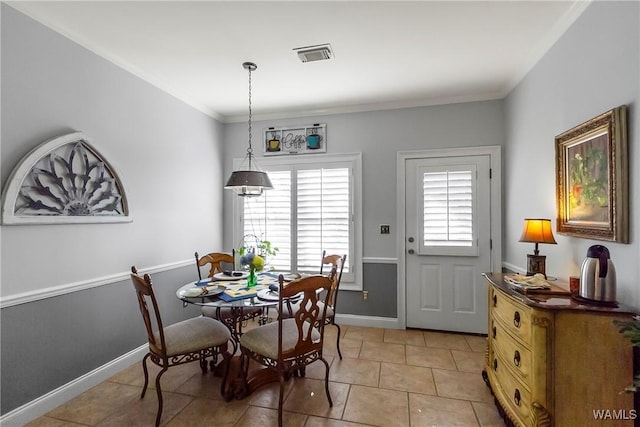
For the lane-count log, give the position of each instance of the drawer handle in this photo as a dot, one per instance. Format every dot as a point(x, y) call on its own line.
point(516, 397)
point(495, 364)
point(495, 300)
point(493, 332)
point(516, 358)
point(516, 319)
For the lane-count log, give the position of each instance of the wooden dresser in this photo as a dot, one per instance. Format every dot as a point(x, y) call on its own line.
point(552, 361)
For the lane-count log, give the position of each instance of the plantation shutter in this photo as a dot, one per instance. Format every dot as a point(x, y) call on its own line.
point(268, 217)
point(323, 215)
point(448, 217)
point(320, 214)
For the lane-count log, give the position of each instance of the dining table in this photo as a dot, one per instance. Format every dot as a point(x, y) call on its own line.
point(225, 290)
point(230, 290)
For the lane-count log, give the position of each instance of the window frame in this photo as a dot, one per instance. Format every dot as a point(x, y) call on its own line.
point(351, 280)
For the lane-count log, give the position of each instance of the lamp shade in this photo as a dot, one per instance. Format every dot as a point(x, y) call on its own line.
point(248, 183)
point(537, 231)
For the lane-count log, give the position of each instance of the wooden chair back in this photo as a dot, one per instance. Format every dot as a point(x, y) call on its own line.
point(311, 315)
point(150, 312)
point(337, 263)
point(215, 259)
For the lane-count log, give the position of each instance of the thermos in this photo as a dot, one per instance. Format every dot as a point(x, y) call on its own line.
point(598, 276)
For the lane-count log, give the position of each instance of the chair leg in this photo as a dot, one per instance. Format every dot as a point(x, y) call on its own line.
point(338, 341)
point(226, 360)
point(146, 375)
point(159, 392)
point(280, 400)
point(326, 381)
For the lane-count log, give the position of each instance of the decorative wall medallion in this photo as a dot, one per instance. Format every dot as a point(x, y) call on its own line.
point(64, 180)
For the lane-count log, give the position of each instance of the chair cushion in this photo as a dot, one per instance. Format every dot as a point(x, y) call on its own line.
point(264, 339)
point(193, 335)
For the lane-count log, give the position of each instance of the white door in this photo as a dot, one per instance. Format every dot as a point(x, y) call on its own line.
point(447, 242)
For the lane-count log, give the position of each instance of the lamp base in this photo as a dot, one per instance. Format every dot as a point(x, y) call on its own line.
point(536, 264)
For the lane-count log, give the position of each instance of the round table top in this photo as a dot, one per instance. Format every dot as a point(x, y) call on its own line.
point(212, 293)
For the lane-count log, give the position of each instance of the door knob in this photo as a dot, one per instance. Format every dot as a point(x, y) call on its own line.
point(411, 239)
point(411, 251)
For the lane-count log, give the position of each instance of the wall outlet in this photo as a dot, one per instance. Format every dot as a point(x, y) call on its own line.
point(385, 229)
point(365, 295)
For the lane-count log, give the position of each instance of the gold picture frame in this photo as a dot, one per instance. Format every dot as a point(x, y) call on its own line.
point(592, 178)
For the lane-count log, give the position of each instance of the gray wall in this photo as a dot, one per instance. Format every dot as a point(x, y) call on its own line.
point(591, 69)
point(169, 157)
point(379, 135)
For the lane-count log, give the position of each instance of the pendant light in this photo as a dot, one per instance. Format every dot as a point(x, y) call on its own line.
point(249, 180)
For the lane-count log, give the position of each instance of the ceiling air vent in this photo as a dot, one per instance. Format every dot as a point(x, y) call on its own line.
point(314, 53)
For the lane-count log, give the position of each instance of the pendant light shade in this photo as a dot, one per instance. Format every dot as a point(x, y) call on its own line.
point(249, 180)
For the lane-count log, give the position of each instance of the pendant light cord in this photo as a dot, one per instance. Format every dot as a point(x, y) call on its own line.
point(250, 149)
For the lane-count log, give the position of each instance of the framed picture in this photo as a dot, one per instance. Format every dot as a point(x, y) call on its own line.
point(592, 178)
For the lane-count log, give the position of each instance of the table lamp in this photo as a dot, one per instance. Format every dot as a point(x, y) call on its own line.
point(536, 231)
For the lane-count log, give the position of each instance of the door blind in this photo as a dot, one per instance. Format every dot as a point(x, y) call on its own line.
point(448, 208)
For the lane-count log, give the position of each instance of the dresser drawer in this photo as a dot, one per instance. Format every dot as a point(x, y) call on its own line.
point(511, 351)
point(515, 317)
point(515, 395)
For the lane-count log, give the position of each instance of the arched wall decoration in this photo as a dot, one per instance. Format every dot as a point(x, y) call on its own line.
point(64, 181)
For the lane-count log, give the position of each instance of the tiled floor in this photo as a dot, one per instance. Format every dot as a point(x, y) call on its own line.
point(387, 377)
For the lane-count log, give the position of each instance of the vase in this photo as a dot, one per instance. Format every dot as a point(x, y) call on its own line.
point(252, 279)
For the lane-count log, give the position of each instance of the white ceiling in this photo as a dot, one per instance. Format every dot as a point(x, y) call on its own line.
point(387, 54)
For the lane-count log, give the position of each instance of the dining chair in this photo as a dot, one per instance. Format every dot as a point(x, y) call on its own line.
point(227, 315)
point(187, 341)
point(290, 344)
point(337, 262)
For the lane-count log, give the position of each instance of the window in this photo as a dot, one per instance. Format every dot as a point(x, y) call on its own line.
point(448, 210)
point(314, 206)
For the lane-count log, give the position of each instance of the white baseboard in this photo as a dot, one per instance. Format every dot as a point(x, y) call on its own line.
point(370, 321)
point(40, 406)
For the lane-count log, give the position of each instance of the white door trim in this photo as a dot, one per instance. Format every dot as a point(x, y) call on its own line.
point(494, 153)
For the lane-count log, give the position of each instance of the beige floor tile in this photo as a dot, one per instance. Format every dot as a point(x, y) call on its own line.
point(382, 352)
point(98, 403)
point(131, 375)
point(400, 336)
point(371, 386)
point(207, 386)
point(309, 397)
point(461, 385)
point(263, 417)
point(407, 378)
point(317, 369)
point(142, 412)
point(349, 348)
point(208, 413)
point(469, 361)
point(328, 422)
point(364, 334)
point(430, 357)
point(438, 411)
point(268, 395)
point(477, 343)
point(446, 340)
point(487, 414)
point(171, 380)
point(355, 371)
point(379, 407)
point(52, 422)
